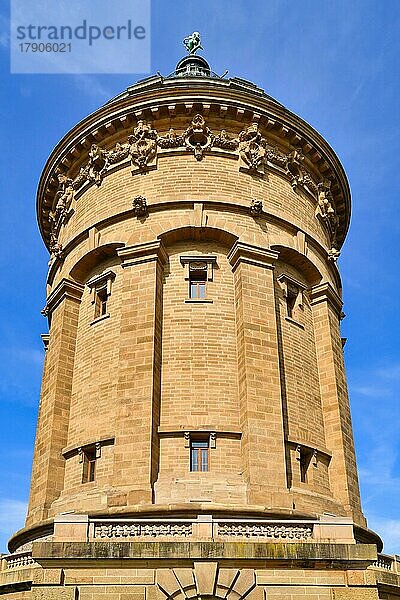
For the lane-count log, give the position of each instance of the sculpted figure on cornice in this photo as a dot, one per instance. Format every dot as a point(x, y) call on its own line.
point(98, 163)
point(56, 249)
point(142, 146)
point(198, 137)
point(327, 213)
point(294, 167)
point(62, 201)
point(325, 208)
point(252, 148)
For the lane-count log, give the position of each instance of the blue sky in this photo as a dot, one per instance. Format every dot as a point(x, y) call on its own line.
point(333, 62)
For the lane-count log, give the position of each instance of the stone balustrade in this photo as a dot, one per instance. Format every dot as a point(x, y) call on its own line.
point(18, 560)
point(388, 563)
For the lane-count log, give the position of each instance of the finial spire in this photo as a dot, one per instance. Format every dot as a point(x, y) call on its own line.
point(192, 42)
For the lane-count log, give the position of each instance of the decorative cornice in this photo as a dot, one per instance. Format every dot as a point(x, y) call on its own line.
point(233, 99)
point(65, 289)
point(254, 255)
point(142, 253)
point(324, 292)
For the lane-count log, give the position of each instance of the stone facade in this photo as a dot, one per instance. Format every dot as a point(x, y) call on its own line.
point(194, 435)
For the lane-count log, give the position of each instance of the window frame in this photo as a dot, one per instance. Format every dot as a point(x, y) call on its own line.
point(100, 289)
point(89, 456)
point(200, 448)
point(199, 271)
point(293, 293)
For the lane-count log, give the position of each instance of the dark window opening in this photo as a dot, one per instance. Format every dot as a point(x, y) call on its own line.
point(199, 455)
point(305, 459)
point(291, 299)
point(101, 303)
point(89, 465)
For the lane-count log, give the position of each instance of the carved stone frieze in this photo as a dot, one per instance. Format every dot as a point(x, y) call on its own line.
point(139, 205)
point(198, 137)
point(137, 529)
point(142, 146)
point(120, 152)
point(141, 149)
point(278, 531)
point(171, 140)
point(224, 142)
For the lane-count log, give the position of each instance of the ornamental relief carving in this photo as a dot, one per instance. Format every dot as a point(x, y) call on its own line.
point(141, 149)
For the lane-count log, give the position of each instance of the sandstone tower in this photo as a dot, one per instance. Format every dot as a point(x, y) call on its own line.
point(194, 437)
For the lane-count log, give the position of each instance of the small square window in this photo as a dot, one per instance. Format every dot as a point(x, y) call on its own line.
point(89, 464)
point(199, 454)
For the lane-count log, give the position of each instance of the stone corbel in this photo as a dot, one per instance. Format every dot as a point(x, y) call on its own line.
point(45, 339)
point(65, 289)
point(97, 449)
point(254, 255)
point(324, 292)
point(142, 253)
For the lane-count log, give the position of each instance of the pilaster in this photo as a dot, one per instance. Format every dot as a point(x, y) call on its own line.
point(261, 419)
point(52, 430)
point(327, 306)
point(139, 376)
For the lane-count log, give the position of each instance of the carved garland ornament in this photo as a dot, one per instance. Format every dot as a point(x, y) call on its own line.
point(141, 149)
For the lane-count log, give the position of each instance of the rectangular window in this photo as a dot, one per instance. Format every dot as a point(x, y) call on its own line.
point(101, 302)
point(291, 299)
point(197, 284)
point(89, 465)
point(199, 455)
point(305, 459)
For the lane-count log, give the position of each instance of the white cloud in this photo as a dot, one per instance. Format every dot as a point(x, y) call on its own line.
point(389, 530)
point(91, 86)
point(392, 372)
point(12, 518)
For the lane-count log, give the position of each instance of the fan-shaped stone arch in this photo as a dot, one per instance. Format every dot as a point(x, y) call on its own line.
point(206, 580)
